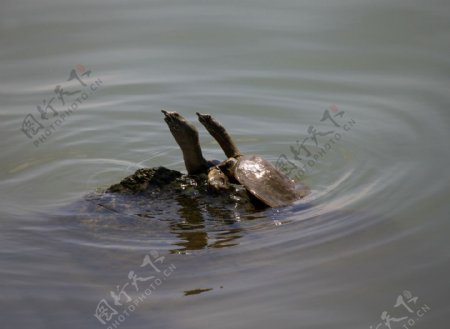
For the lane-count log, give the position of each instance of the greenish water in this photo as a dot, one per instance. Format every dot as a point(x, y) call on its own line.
point(372, 234)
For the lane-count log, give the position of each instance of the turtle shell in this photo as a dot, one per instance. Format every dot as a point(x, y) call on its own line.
point(264, 181)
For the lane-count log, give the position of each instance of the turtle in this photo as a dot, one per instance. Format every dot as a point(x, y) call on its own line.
point(266, 185)
point(260, 178)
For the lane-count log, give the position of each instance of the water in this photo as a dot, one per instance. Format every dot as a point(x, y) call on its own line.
point(374, 227)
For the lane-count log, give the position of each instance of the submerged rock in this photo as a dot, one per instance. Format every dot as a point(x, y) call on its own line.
point(163, 194)
point(147, 179)
point(165, 205)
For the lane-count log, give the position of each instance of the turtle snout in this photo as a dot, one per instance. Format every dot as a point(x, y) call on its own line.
point(203, 117)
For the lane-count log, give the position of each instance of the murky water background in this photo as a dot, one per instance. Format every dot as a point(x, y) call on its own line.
point(371, 240)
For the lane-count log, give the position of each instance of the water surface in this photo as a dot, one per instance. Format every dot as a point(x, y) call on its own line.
point(373, 231)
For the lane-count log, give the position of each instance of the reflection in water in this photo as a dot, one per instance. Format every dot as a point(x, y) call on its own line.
point(165, 206)
point(192, 228)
